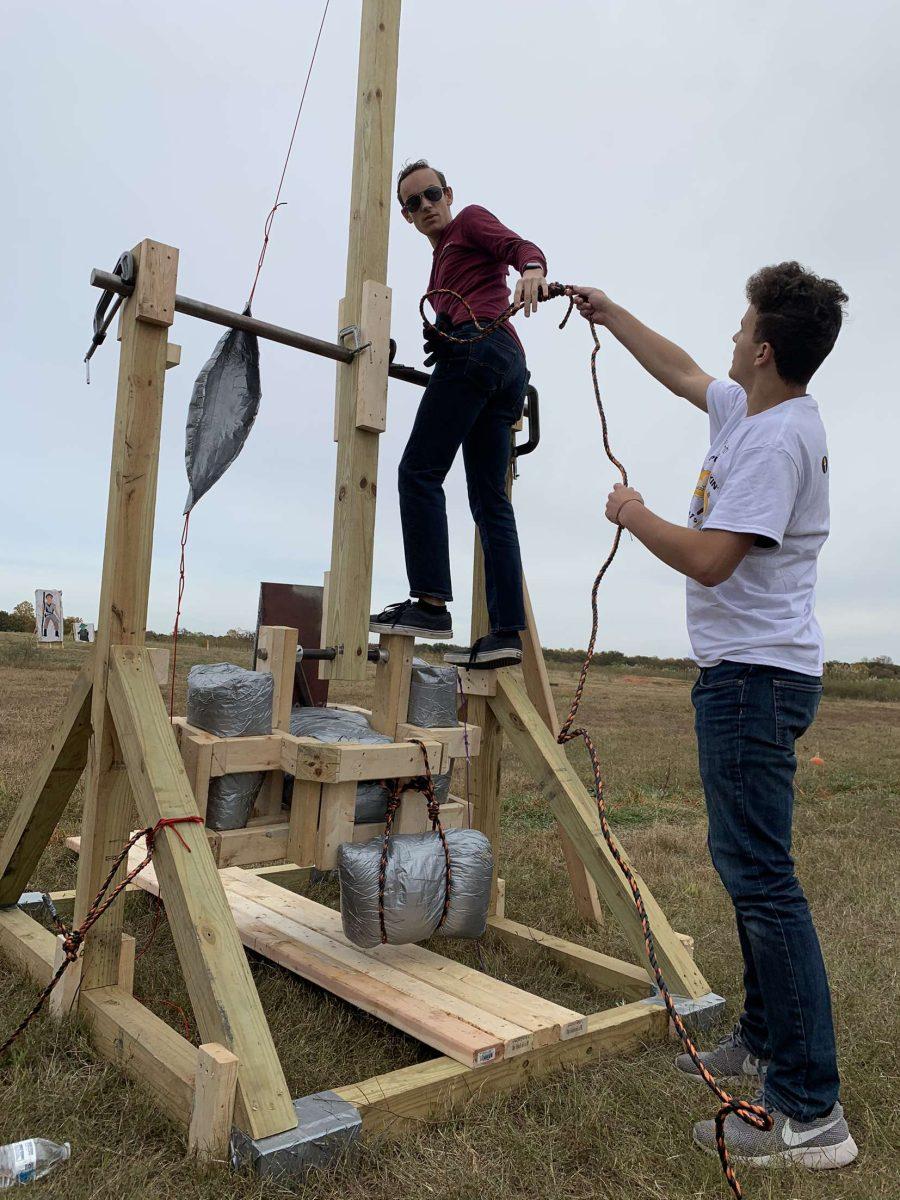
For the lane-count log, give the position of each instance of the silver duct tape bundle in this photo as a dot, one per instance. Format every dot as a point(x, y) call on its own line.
point(432, 696)
point(414, 887)
point(338, 725)
point(230, 701)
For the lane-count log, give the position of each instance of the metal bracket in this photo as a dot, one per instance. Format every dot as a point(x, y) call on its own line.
point(696, 1014)
point(355, 332)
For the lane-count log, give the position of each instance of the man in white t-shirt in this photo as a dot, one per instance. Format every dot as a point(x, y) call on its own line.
point(758, 519)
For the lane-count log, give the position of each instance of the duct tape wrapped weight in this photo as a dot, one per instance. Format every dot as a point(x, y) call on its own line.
point(414, 887)
point(229, 701)
point(432, 695)
point(231, 798)
point(339, 725)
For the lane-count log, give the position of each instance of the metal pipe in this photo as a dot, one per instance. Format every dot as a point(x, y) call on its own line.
point(375, 654)
point(232, 320)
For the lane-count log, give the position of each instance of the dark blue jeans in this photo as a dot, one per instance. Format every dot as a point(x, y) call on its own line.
point(475, 394)
point(747, 719)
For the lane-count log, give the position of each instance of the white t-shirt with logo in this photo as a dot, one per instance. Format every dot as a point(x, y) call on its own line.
point(766, 474)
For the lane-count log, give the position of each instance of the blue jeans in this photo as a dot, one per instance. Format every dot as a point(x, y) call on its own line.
point(747, 719)
point(475, 394)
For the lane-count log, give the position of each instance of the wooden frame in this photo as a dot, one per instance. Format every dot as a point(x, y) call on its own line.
point(114, 726)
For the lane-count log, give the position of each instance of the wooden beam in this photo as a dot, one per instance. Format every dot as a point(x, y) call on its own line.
point(122, 1029)
point(393, 1103)
point(392, 680)
point(215, 1085)
point(280, 660)
point(610, 974)
point(575, 810)
point(223, 995)
point(372, 364)
point(537, 685)
point(337, 812)
point(47, 792)
point(350, 590)
point(306, 798)
point(108, 804)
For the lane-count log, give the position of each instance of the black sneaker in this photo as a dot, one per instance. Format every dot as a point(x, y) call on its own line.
point(493, 650)
point(409, 618)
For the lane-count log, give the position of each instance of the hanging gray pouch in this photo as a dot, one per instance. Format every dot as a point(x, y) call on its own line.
point(230, 701)
point(339, 725)
point(414, 887)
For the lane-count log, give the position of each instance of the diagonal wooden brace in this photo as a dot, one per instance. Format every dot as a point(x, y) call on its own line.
point(223, 994)
point(575, 809)
point(51, 784)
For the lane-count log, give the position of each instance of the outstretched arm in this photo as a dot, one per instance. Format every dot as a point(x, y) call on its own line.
point(672, 366)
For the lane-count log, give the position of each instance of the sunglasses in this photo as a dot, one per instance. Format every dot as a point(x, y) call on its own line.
point(432, 194)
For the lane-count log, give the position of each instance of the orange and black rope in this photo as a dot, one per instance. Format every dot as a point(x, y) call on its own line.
point(752, 1114)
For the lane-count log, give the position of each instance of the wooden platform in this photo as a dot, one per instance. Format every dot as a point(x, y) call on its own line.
point(465, 1014)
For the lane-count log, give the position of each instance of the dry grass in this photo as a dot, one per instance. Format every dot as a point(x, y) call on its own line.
point(617, 1132)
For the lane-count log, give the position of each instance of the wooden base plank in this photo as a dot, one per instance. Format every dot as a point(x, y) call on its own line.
point(393, 1103)
point(599, 969)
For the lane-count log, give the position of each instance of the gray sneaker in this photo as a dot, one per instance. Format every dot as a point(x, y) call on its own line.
point(729, 1060)
point(819, 1145)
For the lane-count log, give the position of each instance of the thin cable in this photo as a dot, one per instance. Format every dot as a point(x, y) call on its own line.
point(267, 228)
point(184, 536)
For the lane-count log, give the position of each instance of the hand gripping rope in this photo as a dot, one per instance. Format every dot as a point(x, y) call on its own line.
point(396, 788)
point(73, 939)
point(752, 1114)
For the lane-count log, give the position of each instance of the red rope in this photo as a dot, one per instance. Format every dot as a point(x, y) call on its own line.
point(184, 536)
point(267, 228)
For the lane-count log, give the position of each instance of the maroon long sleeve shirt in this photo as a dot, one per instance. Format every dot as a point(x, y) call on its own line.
point(473, 257)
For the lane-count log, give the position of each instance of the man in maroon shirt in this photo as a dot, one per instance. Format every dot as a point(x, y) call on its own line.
point(476, 393)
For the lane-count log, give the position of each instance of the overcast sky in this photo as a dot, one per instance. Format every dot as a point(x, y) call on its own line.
point(662, 151)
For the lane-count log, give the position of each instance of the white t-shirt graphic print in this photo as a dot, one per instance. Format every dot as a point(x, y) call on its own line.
point(766, 474)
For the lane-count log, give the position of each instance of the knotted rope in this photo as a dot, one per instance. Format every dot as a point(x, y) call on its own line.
point(73, 939)
point(752, 1114)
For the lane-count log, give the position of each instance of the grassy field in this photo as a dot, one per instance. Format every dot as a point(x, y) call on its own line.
point(619, 1131)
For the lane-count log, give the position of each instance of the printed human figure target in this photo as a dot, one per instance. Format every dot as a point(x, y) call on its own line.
point(83, 631)
point(48, 613)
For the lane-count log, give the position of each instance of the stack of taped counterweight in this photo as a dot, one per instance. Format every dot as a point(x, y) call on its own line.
point(416, 875)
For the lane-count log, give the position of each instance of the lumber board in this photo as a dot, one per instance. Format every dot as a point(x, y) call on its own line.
point(48, 790)
point(125, 585)
point(336, 816)
point(393, 1103)
point(341, 762)
point(453, 738)
point(356, 473)
point(215, 1083)
point(537, 685)
point(122, 1029)
point(224, 998)
point(279, 642)
point(303, 824)
point(602, 970)
point(576, 811)
point(493, 996)
point(392, 679)
point(372, 377)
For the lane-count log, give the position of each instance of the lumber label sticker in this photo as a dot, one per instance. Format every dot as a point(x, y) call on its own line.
point(519, 1045)
point(485, 1056)
point(574, 1029)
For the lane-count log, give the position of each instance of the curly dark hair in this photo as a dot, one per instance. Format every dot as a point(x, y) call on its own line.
point(799, 314)
point(419, 165)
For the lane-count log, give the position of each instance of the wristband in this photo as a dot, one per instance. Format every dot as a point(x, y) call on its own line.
point(622, 505)
point(535, 266)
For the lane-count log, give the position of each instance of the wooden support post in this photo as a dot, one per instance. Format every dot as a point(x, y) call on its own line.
point(350, 590)
point(197, 756)
point(279, 643)
point(126, 963)
point(575, 810)
point(389, 708)
point(305, 801)
point(224, 997)
point(63, 997)
point(108, 805)
point(48, 790)
point(336, 818)
point(537, 685)
point(485, 769)
point(212, 1116)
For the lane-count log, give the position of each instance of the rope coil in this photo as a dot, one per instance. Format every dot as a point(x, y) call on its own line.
point(752, 1114)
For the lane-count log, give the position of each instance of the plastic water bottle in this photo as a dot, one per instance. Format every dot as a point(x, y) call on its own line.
point(21, 1162)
